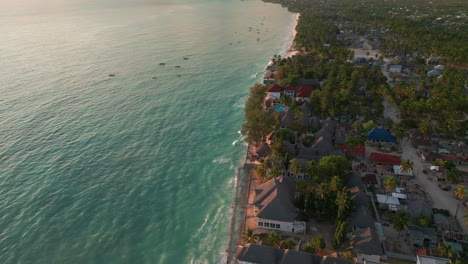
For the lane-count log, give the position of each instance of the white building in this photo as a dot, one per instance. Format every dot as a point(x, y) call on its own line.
point(421, 259)
point(388, 201)
point(274, 91)
point(274, 206)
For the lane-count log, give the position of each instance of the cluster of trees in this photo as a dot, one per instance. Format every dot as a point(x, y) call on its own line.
point(442, 111)
point(258, 122)
point(272, 239)
point(414, 28)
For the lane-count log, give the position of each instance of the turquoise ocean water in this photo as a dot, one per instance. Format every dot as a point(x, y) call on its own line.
point(131, 168)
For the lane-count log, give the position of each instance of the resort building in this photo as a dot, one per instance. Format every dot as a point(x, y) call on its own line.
point(274, 206)
point(260, 254)
point(274, 91)
point(303, 92)
point(290, 91)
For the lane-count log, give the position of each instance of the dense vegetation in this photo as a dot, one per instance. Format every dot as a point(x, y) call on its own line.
point(436, 27)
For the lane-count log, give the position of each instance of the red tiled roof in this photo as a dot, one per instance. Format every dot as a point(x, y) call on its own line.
point(304, 90)
point(385, 159)
point(289, 88)
point(369, 179)
point(358, 150)
point(274, 88)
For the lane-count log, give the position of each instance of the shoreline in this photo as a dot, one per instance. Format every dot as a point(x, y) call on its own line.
point(291, 51)
point(243, 182)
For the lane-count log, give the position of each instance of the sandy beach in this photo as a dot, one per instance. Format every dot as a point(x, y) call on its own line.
point(291, 51)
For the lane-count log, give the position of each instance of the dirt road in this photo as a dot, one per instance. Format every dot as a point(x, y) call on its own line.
point(441, 199)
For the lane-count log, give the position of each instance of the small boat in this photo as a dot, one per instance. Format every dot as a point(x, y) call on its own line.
point(177, 66)
point(186, 58)
point(162, 63)
point(111, 75)
point(154, 78)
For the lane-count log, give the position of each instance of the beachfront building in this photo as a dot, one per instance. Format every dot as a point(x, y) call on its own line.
point(289, 90)
point(274, 91)
point(303, 92)
point(274, 206)
point(261, 254)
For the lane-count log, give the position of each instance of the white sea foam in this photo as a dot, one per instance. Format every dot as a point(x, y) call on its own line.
point(221, 160)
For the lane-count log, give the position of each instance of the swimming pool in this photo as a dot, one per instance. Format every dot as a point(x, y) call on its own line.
point(278, 107)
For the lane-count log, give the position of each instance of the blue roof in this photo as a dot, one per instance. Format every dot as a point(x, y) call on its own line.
point(361, 60)
point(381, 135)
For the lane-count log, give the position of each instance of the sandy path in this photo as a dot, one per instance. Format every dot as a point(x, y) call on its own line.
point(441, 199)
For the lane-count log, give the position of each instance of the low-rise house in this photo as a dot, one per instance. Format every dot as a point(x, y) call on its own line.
point(260, 151)
point(303, 92)
point(441, 222)
point(379, 134)
point(274, 91)
point(439, 67)
point(359, 150)
point(289, 90)
point(366, 245)
point(370, 179)
point(362, 167)
point(398, 170)
point(385, 159)
point(388, 202)
point(395, 68)
point(422, 237)
point(433, 73)
point(361, 217)
point(274, 206)
point(419, 208)
point(420, 259)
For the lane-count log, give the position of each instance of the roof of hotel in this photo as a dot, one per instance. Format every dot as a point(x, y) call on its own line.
point(274, 88)
point(275, 199)
point(261, 254)
point(386, 159)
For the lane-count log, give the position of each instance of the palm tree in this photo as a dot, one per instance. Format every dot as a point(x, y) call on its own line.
point(272, 239)
point(261, 171)
point(288, 243)
point(348, 255)
point(453, 175)
point(446, 251)
point(389, 183)
point(425, 126)
point(312, 169)
point(322, 191)
point(336, 183)
point(400, 221)
point(295, 167)
point(309, 248)
point(249, 237)
point(275, 172)
point(343, 201)
point(406, 165)
point(460, 192)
